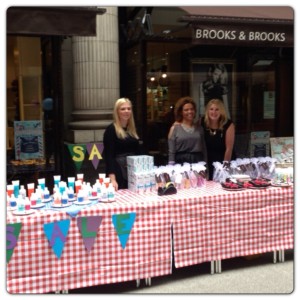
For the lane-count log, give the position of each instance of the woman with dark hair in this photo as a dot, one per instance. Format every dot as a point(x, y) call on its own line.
point(120, 140)
point(186, 137)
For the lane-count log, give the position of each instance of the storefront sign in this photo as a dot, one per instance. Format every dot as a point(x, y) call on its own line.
point(213, 34)
point(241, 34)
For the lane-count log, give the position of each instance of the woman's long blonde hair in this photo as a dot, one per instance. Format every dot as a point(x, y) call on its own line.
point(131, 130)
point(223, 117)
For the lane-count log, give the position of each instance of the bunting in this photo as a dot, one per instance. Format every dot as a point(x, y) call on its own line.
point(88, 227)
point(56, 233)
point(78, 151)
point(123, 224)
point(95, 151)
point(12, 236)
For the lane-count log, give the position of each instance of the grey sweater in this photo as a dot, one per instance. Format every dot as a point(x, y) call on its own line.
point(182, 141)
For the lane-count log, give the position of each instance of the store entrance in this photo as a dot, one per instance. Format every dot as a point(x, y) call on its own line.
point(30, 140)
point(259, 89)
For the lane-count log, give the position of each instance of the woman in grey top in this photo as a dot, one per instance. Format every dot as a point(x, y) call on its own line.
point(186, 137)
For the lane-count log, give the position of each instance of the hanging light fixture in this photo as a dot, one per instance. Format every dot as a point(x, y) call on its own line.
point(152, 79)
point(152, 75)
point(163, 78)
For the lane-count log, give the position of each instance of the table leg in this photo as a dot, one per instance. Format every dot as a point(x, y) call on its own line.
point(148, 281)
point(65, 291)
point(274, 256)
point(281, 255)
point(218, 266)
point(212, 267)
point(138, 283)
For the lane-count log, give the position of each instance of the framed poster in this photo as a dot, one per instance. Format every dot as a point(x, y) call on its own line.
point(282, 148)
point(29, 139)
point(269, 105)
point(260, 144)
point(214, 78)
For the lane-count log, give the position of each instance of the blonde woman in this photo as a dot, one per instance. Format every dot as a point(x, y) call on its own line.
point(120, 140)
point(219, 132)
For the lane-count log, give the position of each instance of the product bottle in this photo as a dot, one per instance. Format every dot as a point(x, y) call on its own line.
point(12, 201)
point(80, 196)
point(64, 198)
point(187, 182)
point(104, 192)
point(38, 193)
point(22, 192)
point(57, 199)
point(178, 181)
point(20, 204)
point(89, 189)
point(46, 194)
point(94, 192)
point(110, 192)
point(159, 182)
point(33, 199)
point(70, 192)
point(193, 178)
point(98, 188)
point(27, 204)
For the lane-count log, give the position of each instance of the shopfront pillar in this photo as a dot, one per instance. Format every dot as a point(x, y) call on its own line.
point(96, 79)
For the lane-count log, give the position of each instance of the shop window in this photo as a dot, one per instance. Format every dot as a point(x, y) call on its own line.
point(263, 95)
point(24, 92)
point(24, 87)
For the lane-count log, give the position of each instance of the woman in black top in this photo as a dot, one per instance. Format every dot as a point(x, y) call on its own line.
point(120, 140)
point(219, 133)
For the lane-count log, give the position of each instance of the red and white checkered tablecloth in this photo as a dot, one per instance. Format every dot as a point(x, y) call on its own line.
point(208, 223)
point(34, 268)
point(213, 224)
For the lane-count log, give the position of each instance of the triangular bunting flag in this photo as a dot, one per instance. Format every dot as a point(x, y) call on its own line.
point(56, 233)
point(95, 151)
point(12, 235)
point(77, 154)
point(123, 224)
point(88, 227)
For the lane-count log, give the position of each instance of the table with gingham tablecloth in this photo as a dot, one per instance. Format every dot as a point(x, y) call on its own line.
point(206, 224)
point(212, 224)
point(34, 268)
